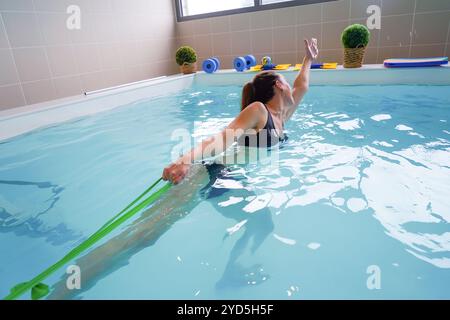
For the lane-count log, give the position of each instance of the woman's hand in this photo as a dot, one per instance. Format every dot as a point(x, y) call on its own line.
point(176, 172)
point(311, 49)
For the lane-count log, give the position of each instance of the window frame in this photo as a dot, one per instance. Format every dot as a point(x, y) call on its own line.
point(257, 6)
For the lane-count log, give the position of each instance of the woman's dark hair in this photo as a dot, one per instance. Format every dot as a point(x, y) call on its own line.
point(260, 89)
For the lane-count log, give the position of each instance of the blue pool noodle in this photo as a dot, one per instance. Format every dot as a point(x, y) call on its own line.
point(240, 64)
point(250, 61)
point(217, 62)
point(209, 65)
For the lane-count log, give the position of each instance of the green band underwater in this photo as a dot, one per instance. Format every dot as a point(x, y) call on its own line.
point(40, 290)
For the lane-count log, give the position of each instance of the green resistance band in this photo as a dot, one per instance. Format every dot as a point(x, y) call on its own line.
point(40, 290)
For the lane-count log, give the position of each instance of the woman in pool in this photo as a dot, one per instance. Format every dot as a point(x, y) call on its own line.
point(267, 103)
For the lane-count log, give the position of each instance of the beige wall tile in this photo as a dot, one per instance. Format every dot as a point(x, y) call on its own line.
point(39, 91)
point(336, 11)
point(11, 97)
point(130, 54)
point(60, 5)
point(8, 73)
point(422, 51)
point(22, 29)
point(110, 55)
point(16, 5)
point(261, 41)
point(396, 30)
point(240, 22)
point(136, 7)
point(54, 29)
point(150, 51)
point(106, 29)
point(285, 17)
point(61, 60)
point(334, 55)
point(112, 77)
point(393, 7)
point(94, 81)
point(240, 43)
point(359, 8)
point(284, 39)
point(86, 34)
point(448, 32)
point(203, 45)
point(87, 57)
point(101, 6)
point(67, 86)
point(186, 41)
point(4, 43)
point(371, 56)
point(226, 61)
point(185, 29)
point(308, 14)
point(221, 44)
point(32, 64)
point(307, 32)
point(431, 28)
point(261, 19)
point(331, 34)
point(202, 26)
point(392, 52)
point(151, 70)
point(301, 55)
point(285, 57)
point(432, 5)
point(116, 35)
point(138, 73)
point(220, 24)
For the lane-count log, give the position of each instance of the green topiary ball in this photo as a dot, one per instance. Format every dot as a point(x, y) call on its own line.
point(185, 54)
point(355, 36)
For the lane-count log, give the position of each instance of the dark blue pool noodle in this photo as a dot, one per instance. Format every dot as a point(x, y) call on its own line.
point(209, 66)
point(217, 62)
point(250, 60)
point(434, 63)
point(240, 64)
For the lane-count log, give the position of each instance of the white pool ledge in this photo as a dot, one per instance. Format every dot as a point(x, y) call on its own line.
point(20, 120)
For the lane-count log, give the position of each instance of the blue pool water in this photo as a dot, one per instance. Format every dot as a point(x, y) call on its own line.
point(361, 185)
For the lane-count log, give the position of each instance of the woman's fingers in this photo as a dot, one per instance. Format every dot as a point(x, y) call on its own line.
point(165, 174)
point(306, 43)
point(175, 173)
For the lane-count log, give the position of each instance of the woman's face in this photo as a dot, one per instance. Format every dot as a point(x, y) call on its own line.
point(285, 90)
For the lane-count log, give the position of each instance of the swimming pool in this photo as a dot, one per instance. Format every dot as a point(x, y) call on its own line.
point(362, 183)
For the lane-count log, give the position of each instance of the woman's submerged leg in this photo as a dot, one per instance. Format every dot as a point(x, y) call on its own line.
point(144, 232)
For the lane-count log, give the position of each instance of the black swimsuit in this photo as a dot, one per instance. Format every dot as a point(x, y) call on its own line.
point(264, 138)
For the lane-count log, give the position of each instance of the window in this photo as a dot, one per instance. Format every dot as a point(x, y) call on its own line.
point(273, 1)
point(194, 7)
point(198, 9)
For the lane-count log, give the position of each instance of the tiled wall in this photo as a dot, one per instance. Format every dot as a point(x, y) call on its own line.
point(119, 41)
point(409, 28)
point(123, 41)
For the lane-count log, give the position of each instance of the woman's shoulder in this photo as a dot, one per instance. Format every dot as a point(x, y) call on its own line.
point(256, 107)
